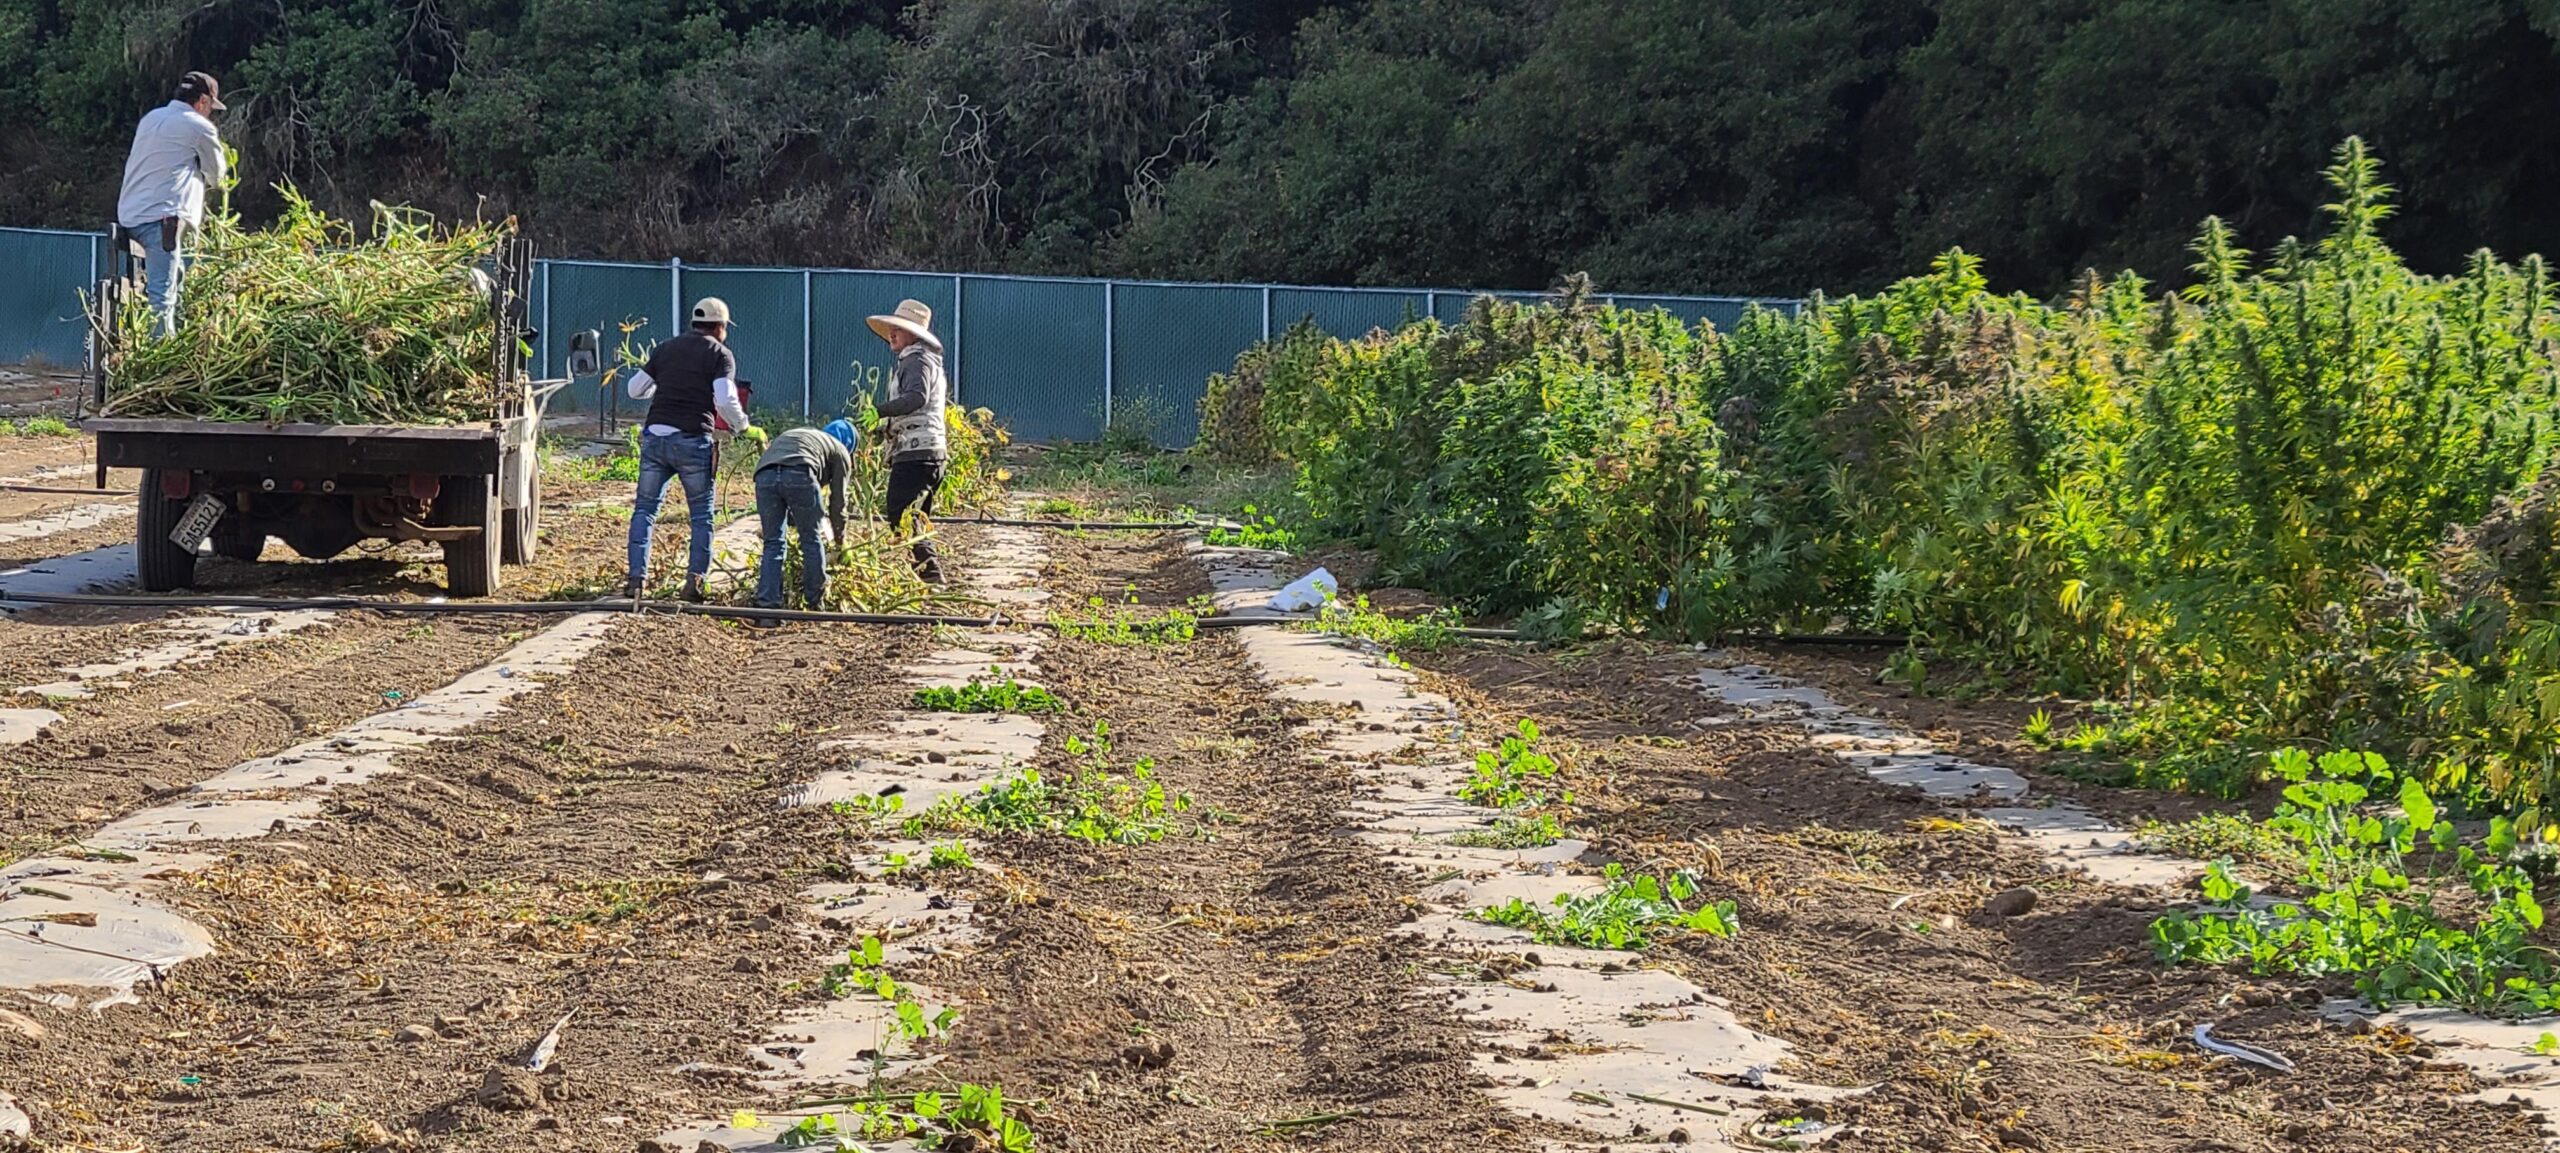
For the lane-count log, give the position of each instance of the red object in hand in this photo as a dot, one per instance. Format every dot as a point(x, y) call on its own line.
point(746, 398)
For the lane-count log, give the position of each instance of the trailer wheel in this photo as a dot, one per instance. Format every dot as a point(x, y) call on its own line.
point(159, 561)
point(471, 564)
point(521, 541)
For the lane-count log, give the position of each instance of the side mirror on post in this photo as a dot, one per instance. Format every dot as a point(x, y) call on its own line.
point(585, 353)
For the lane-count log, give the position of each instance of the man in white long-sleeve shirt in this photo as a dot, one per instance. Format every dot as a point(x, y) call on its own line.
point(686, 380)
point(177, 155)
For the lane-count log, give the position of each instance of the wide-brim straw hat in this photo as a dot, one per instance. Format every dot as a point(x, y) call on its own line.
point(912, 318)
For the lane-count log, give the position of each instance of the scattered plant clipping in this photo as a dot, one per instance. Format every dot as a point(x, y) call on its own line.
point(1625, 915)
point(1128, 624)
point(2363, 914)
point(1256, 530)
point(1431, 631)
point(1005, 695)
point(1524, 831)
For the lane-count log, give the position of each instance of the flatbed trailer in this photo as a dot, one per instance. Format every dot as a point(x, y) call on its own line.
point(229, 486)
point(323, 488)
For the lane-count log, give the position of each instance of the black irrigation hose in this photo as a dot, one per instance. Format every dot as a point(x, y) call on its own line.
point(50, 490)
point(742, 612)
point(617, 604)
point(1087, 525)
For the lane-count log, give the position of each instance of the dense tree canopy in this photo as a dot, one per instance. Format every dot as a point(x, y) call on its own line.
point(1768, 146)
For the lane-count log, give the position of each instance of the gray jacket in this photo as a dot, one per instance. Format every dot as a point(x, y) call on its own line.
point(917, 394)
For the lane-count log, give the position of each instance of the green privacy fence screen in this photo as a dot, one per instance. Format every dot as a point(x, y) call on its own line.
point(1055, 358)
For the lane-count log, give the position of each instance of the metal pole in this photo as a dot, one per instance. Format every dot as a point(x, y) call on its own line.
point(954, 359)
point(1266, 312)
point(808, 391)
point(89, 332)
point(1431, 305)
point(546, 320)
point(1107, 374)
point(675, 296)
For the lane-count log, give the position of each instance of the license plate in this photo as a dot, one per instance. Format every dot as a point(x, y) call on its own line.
point(198, 523)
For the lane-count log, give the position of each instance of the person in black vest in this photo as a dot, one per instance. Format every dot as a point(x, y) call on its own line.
point(686, 380)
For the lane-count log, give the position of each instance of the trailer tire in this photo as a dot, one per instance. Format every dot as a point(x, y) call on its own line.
point(523, 526)
point(471, 564)
point(157, 560)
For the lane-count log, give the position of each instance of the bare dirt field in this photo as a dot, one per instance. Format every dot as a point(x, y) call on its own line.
point(652, 840)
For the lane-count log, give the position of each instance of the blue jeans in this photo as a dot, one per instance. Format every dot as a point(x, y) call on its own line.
point(691, 458)
point(162, 269)
point(788, 494)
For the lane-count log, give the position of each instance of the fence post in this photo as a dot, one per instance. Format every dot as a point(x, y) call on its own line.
point(675, 297)
point(1431, 304)
point(1266, 313)
point(544, 369)
point(89, 332)
point(957, 286)
point(808, 386)
point(1108, 292)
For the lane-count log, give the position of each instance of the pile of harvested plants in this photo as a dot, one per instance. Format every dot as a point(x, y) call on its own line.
point(308, 321)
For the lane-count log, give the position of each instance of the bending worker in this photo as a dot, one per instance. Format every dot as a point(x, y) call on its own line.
point(787, 480)
point(686, 379)
point(177, 154)
point(919, 441)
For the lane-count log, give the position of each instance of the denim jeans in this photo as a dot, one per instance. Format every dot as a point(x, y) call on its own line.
point(788, 494)
point(688, 457)
point(162, 269)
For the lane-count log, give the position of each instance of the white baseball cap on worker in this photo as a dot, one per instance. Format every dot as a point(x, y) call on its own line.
point(711, 310)
point(912, 318)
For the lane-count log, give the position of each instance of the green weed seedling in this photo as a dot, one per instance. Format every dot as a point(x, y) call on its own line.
point(1127, 624)
point(1256, 530)
point(1503, 776)
point(997, 694)
point(1101, 806)
point(1096, 802)
point(863, 971)
point(2365, 915)
point(1625, 915)
point(971, 1116)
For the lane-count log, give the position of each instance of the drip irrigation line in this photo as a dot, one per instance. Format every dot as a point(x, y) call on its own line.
point(1086, 525)
point(746, 612)
point(55, 490)
point(613, 605)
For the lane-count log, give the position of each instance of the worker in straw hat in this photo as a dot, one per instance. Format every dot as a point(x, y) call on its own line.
point(686, 380)
point(919, 442)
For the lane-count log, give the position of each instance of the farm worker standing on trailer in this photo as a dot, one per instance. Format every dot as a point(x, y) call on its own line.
point(787, 480)
point(919, 442)
point(176, 155)
point(689, 377)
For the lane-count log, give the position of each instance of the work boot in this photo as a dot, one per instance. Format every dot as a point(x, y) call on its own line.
point(633, 591)
point(928, 563)
point(693, 594)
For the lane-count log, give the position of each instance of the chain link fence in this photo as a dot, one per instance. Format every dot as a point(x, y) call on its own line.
point(1056, 358)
